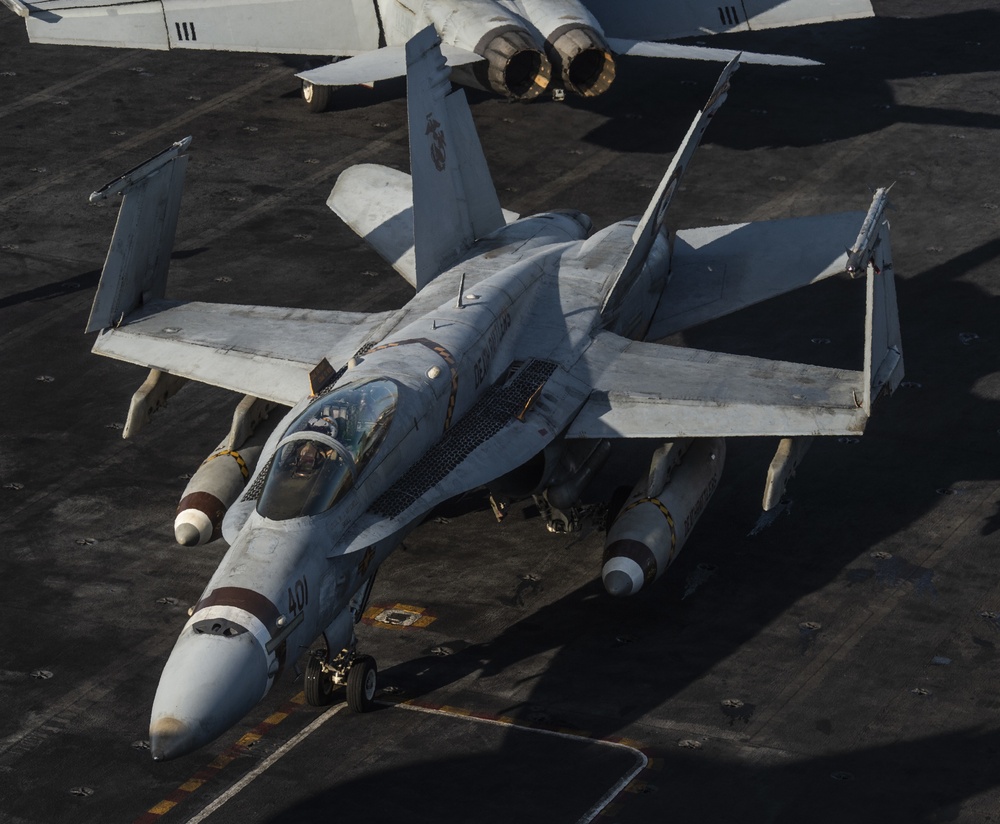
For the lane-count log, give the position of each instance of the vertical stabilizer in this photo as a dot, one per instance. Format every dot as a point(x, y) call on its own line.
point(652, 220)
point(135, 271)
point(454, 200)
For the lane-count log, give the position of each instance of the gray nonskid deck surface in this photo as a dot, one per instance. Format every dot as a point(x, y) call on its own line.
point(839, 666)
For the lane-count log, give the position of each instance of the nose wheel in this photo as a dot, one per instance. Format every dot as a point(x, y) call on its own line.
point(358, 673)
point(319, 684)
point(361, 682)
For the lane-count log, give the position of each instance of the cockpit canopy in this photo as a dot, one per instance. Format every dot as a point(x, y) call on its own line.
point(325, 449)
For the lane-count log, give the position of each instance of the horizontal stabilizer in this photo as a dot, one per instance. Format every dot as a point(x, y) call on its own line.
point(717, 270)
point(644, 48)
point(377, 203)
point(383, 64)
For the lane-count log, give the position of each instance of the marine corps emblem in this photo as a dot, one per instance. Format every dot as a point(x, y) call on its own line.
point(437, 142)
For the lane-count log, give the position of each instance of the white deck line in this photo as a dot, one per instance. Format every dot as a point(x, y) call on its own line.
point(604, 800)
point(279, 753)
point(288, 746)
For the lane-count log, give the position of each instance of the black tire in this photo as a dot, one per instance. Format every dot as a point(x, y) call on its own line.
point(319, 688)
point(317, 98)
point(361, 683)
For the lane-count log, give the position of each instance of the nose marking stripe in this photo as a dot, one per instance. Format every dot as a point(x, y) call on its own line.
point(246, 599)
point(238, 615)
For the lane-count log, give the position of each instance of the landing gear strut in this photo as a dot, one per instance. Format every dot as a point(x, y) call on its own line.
point(358, 673)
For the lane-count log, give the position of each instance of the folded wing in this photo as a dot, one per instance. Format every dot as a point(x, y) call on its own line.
point(264, 351)
point(648, 390)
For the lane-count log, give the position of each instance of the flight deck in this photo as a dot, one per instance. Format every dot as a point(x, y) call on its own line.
point(836, 662)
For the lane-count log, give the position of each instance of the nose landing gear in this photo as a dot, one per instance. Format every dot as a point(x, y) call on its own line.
point(358, 673)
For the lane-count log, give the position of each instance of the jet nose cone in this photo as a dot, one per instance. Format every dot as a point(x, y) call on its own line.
point(170, 738)
point(208, 684)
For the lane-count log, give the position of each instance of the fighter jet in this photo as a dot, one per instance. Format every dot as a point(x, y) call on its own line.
point(521, 363)
point(516, 48)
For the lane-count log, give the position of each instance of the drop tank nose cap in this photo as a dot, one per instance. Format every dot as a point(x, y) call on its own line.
point(621, 576)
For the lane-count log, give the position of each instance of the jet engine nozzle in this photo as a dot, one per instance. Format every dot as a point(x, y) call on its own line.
point(584, 61)
point(515, 66)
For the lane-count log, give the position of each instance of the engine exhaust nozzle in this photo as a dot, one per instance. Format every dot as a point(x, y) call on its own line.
point(515, 66)
point(584, 61)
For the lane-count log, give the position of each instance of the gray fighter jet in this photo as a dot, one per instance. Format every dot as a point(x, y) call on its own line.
point(517, 48)
point(519, 364)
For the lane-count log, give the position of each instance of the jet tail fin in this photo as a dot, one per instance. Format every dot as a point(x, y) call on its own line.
point(135, 271)
point(454, 199)
point(652, 220)
point(872, 255)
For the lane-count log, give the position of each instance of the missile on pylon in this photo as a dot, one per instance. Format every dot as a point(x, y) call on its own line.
point(660, 513)
point(223, 474)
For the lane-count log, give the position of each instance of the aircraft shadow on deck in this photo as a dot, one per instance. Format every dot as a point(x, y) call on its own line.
point(776, 106)
point(612, 662)
point(779, 106)
point(921, 780)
